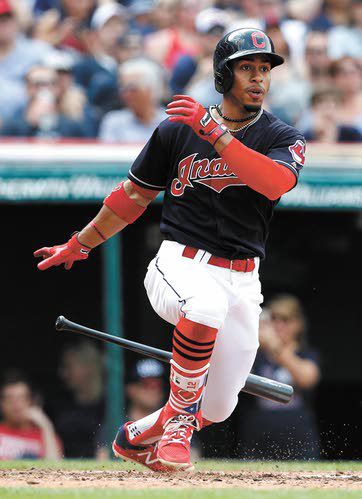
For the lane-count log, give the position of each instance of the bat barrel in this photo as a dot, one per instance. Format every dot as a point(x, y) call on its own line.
point(268, 388)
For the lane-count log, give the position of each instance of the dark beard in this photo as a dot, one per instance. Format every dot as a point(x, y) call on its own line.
point(251, 108)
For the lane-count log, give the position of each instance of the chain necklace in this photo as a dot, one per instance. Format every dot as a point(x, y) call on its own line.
point(242, 127)
point(241, 120)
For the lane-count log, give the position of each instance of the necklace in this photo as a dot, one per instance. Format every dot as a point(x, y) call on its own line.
point(254, 117)
point(241, 120)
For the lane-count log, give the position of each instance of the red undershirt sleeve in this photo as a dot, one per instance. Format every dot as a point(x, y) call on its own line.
point(257, 171)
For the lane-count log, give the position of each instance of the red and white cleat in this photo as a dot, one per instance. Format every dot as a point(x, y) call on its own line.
point(174, 446)
point(145, 455)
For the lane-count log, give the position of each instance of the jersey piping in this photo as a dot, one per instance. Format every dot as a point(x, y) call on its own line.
point(287, 165)
point(145, 183)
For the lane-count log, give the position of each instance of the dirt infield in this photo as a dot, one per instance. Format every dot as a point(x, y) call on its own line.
point(50, 478)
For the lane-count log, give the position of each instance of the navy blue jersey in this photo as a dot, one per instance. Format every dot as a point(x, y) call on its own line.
point(206, 205)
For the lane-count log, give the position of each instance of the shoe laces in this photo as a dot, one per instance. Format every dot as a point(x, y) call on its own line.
point(178, 428)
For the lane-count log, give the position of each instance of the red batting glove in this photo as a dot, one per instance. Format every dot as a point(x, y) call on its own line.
point(184, 109)
point(66, 253)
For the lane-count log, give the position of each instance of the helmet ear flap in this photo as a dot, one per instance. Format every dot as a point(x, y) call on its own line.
point(228, 78)
point(223, 79)
point(219, 82)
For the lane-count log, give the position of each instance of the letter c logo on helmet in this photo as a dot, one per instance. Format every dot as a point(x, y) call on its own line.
point(258, 39)
point(236, 45)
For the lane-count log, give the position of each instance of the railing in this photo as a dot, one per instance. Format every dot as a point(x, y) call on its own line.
point(71, 171)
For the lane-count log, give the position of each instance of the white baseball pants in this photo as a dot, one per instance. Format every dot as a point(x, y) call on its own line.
point(222, 298)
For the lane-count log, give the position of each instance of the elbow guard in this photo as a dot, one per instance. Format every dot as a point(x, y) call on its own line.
point(122, 205)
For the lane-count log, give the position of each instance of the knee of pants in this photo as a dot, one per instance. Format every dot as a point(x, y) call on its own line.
point(216, 412)
point(219, 410)
point(209, 308)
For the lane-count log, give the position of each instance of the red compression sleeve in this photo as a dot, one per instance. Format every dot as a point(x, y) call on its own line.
point(258, 171)
point(122, 205)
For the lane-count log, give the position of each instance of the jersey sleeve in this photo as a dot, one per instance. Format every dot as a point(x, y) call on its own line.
point(289, 150)
point(150, 169)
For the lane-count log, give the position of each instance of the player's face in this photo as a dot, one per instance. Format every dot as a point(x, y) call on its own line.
point(251, 81)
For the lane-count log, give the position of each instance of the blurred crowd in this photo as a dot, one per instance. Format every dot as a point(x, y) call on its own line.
point(71, 423)
point(105, 69)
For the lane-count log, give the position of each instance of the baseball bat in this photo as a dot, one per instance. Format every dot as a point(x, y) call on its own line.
point(255, 385)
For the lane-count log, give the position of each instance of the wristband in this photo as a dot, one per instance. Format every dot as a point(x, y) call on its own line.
point(122, 205)
point(92, 224)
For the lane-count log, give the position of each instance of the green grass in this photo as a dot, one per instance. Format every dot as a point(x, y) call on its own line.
point(22, 493)
point(205, 465)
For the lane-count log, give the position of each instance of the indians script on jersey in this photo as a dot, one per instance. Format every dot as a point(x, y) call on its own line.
point(198, 210)
point(214, 173)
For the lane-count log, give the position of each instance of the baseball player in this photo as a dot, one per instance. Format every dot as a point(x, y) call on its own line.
point(223, 170)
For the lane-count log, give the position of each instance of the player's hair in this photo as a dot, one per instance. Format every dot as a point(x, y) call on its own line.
point(148, 72)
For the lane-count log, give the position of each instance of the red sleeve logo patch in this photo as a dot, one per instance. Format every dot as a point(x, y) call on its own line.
point(297, 150)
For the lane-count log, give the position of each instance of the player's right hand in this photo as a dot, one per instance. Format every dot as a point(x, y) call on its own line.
point(186, 110)
point(66, 253)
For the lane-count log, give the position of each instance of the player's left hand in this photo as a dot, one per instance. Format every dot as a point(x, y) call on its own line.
point(67, 253)
point(184, 109)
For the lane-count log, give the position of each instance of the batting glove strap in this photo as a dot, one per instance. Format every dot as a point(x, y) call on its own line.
point(76, 246)
point(215, 134)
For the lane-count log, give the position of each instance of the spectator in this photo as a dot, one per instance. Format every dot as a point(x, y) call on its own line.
point(141, 86)
point(249, 8)
point(26, 432)
point(166, 45)
point(129, 46)
point(305, 11)
point(274, 13)
point(23, 12)
point(141, 12)
point(41, 116)
point(79, 416)
point(271, 430)
point(194, 74)
point(288, 95)
point(64, 23)
point(347, 79)
point(332, 13)
point(316, 61)
point(97, 73)
point(325, 125)
point(347, 39)
point(72, 101)
point(145, 388)
point(17, 55)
